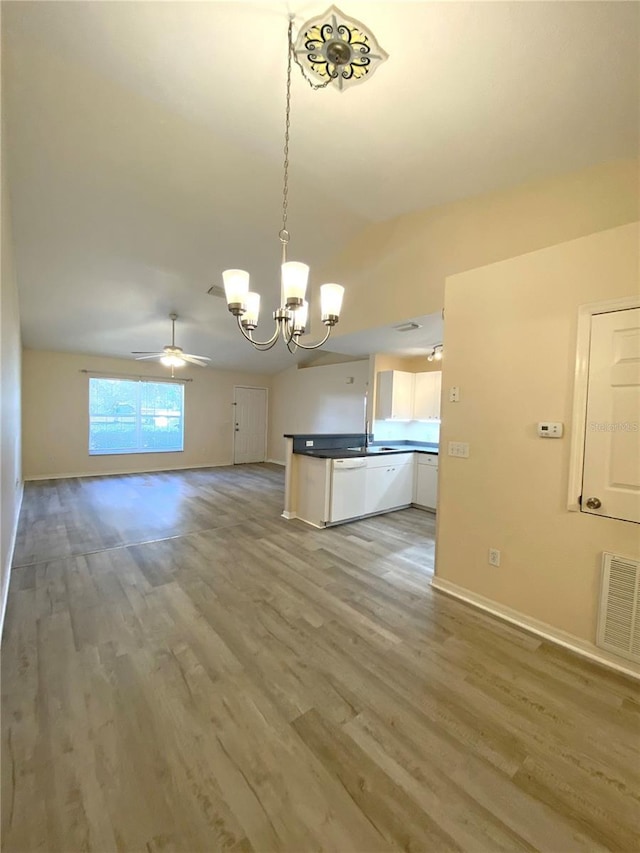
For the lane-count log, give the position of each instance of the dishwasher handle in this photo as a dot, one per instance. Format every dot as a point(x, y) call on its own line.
point(349, 464)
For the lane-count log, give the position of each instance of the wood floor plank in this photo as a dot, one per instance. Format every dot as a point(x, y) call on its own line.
point(183, 670)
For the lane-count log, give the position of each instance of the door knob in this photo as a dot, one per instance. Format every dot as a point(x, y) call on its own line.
point(594, 503)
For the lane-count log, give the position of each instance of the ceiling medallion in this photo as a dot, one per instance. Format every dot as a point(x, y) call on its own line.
point(334, 48)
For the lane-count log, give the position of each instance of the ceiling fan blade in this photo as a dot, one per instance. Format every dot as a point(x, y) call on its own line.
point(193, 355)
point(145, 352)
point(148, 357)
point(201, 361)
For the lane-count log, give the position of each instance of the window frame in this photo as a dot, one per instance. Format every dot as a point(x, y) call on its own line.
point(138, 415)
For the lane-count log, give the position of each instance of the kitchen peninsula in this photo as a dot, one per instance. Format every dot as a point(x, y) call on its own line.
point(334, 478)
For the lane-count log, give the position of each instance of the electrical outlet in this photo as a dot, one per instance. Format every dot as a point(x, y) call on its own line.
point(494, 557)
point(454, 394)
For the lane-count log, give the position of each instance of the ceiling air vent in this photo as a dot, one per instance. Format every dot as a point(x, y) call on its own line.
point(619, 615)
point(407, 327)
point(216, 290)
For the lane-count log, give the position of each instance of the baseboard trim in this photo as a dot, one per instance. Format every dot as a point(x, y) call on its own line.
point(35, 477)
point(276, 462)
point(535, 626)
point(7, 567)
point(288, 515)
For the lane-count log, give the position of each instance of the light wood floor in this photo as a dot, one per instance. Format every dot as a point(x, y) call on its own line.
point(245, 683)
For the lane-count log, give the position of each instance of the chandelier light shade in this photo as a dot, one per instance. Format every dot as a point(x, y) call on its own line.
point(294, 283)
point(338, 50)
point(331, 300)
point(436, 353)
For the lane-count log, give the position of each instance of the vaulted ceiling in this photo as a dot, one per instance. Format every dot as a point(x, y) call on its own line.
point(144, 145)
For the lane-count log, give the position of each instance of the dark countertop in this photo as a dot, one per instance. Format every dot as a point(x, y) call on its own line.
point(372, 450)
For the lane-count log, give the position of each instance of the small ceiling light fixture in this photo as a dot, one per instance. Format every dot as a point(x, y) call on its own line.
point(342, 55)
point(436, 353)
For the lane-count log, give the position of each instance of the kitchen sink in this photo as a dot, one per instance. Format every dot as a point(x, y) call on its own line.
point(373, 449)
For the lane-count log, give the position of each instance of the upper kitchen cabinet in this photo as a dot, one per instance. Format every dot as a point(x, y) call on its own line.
point(426, 397)
point(395, 395)
point(408, 396)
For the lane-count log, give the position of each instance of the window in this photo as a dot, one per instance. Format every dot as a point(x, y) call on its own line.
point(134, 416)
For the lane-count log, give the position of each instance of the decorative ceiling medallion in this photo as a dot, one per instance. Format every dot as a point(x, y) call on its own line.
point(334, 48)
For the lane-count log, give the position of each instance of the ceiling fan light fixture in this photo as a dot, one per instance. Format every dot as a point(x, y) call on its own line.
point(173, 356)
point(172, 361)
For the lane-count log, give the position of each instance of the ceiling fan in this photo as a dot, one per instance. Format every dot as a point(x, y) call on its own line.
point(173, 356)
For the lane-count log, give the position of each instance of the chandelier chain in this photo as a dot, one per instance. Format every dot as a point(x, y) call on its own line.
point(284, 234)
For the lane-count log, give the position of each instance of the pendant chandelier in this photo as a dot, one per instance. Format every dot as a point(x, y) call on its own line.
point(331, 49)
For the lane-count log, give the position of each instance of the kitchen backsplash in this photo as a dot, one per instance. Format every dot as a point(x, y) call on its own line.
point(406, 431)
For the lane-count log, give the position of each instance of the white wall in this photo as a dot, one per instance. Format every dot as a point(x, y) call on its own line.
point(10, 453)
point(316, 400)
point(56, 416)
point(510, 344)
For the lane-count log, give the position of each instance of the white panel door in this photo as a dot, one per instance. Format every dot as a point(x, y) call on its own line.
point(250, 425)
point(611, 475)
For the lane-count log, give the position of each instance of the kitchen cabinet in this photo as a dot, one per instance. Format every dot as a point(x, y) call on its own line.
point(394, 399)
point(389, 482)
point(426, 481)
point(426, 396)
point(408, 396)
point(330, 491)
point(312, 489)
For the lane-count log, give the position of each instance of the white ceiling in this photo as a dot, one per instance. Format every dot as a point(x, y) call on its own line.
point(391, 339)
point(144, 144)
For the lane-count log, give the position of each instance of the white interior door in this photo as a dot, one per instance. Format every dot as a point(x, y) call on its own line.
point(250, 436)
point(611, 475)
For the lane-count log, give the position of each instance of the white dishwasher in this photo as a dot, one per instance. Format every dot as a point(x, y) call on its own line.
point(347, 488)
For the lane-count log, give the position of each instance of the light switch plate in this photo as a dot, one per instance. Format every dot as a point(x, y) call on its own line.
point(459, 449)
point(454, 394)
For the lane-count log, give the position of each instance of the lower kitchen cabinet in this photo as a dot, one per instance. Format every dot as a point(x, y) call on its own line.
point(389, 482)
point(332, 491)
point(426, 481)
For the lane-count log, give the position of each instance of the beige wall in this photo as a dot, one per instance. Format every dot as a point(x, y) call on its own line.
point(10, 454)
point(56, 418)
point(510, 340)
point(316, 399)
point(404, 262)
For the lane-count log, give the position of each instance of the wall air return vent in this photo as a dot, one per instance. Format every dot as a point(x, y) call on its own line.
point(619, 615)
